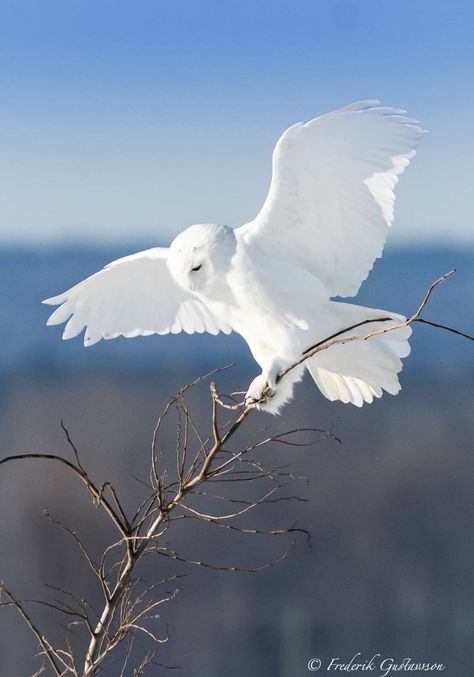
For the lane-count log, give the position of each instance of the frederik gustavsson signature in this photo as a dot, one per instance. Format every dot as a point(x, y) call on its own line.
point(385, 666)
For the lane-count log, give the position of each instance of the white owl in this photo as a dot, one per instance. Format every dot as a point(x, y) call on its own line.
point(272, 280)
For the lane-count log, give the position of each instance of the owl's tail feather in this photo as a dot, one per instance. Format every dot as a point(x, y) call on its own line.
point(361, 370)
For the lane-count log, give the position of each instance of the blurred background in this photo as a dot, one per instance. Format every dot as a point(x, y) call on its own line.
point(120, 124)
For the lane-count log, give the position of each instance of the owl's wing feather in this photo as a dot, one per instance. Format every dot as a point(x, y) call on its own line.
point(331, 197)
point(133, 296)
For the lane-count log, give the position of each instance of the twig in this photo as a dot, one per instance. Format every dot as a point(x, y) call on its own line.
point(48, 650)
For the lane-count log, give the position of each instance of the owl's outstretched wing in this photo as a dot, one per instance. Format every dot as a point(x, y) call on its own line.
point(331, 197)
point(133, 296)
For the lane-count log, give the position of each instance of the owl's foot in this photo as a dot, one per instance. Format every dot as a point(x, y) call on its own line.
point(259, 392)
point(269, 393)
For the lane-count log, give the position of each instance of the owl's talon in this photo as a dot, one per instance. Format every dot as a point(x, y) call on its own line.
point(259, 392)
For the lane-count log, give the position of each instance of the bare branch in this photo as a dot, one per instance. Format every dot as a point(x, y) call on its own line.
point(166, 552)
point(54, 660)
point(96, 494)
point(446, 328)
point(334, 340)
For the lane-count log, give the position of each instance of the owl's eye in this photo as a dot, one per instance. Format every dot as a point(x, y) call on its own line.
point(197, 268)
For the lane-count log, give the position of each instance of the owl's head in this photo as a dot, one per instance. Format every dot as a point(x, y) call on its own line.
point(201, 253)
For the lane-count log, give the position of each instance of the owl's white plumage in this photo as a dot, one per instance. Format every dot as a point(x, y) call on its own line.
point(322, 226)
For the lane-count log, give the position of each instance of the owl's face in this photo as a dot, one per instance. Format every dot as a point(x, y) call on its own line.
point(200, 254)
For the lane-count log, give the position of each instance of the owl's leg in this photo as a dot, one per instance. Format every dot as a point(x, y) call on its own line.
point(274, 395)
point(256, 392)
point(264, 386)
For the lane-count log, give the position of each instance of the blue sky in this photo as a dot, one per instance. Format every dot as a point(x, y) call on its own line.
point(124, 120)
